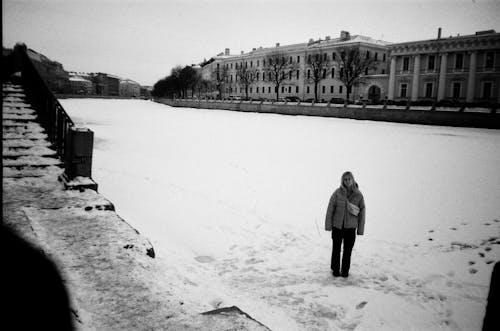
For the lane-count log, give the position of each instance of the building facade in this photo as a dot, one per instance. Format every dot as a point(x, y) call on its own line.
point(459, 69)
point(130, 88)
point(299, 81)
point(80, 85)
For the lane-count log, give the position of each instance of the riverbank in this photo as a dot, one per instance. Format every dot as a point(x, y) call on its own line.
point(478, 118)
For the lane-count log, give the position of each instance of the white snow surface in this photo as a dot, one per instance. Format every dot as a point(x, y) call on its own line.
point(234, 204)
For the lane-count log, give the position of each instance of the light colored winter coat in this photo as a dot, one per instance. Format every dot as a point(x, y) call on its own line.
point(337, 215)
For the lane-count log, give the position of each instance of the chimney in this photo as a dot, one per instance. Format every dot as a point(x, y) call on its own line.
point(227, 51)
point(327, 38)
point(277, 44)
point(439, 33)
point(253, 49)
point(311, 41)
point(345, 35)
point(241, 52)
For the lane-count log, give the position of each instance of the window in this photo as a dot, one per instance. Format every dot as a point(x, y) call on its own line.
point(298, 59)
point(289, 89)
point(323, 89)
point(455, 90)
point(429, 87)
point(307, 90)
point(334, 56)
point(406, 63)
point(340, 89)
point(257, 76)
point(290, 75)
point(257, 89)
point(282, 89)
point(366, 71)
point(333, 72)
point(257, 63)
point(269, 89)
point(264, 63)
point(331, 89)
point(231, 79)
point(291, 60)
point(217, 65)
point(367, 54)
point(459, 61)
point(383, 58)
point(489, 60)
point(487, 89)
point(383, 71)
point(250, 90)
point(308, 73)
point(324, 73)
point(269, 75)
point(341, 73)
point(376, 56)
point(297, 74)
point(309, 58)
point(231, 66)
point(431, 62)
point(296, 89)
point(324, 57)
point(403, 89)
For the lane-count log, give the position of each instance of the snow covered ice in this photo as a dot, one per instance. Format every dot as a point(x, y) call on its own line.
point(234, 204)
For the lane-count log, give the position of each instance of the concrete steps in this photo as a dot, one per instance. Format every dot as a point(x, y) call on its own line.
point(26, 150)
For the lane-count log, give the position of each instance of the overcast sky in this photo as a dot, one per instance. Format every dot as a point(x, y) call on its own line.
point(143, 40)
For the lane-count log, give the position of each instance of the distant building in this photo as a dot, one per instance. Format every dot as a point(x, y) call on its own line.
point(298, 82)
point(80, 83)
point(106, 84)
point(52, 72)
point(129, 88)
point(146, 91)
point(461, 68)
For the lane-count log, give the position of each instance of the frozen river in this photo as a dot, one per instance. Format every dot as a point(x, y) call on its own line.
point(236, 201)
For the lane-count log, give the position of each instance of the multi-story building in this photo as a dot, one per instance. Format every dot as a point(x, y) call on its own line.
point(129, 88)
point(80, 84)
point(106, 84)
point(461, 68)
point(299, 81)
point(52, 72)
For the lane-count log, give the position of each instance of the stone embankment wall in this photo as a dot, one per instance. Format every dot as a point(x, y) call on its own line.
point(93, 96)
point(456, 117)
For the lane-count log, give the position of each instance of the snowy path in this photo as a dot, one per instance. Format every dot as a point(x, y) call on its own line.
point(234, 203)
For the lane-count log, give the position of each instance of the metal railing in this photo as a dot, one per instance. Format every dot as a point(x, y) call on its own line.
point(52, 115)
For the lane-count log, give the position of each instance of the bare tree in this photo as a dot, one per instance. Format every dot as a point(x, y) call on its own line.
point(352, 65)
point(219, 77)
point(318, 64)
point(246, 77)
point(278, 66)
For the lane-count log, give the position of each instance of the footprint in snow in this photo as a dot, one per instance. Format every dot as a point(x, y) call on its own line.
point(489, 261)
point(472, 262)
point(481, 254)
point(487, 224)
point(361, 305)
point(472, 270)
point(454, 229)
point(487, 249)
point(204, 259)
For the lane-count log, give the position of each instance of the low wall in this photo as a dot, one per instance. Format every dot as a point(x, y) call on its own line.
point(390, 114)
point(93, 96)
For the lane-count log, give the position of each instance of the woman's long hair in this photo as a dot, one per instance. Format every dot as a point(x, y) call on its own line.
point(354, 185)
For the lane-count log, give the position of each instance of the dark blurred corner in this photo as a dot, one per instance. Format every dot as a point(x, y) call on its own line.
point(492, 317)
point(33, 293)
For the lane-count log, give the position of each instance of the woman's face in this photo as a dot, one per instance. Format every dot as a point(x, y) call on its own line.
point(348, 181)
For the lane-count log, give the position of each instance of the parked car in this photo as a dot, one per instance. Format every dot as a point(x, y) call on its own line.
point(337, 100)
point(292, 99)
point(309, 100)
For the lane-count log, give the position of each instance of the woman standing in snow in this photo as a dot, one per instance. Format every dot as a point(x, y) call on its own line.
point(345, 215)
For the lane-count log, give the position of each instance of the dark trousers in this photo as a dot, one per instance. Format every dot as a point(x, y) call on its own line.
point(348, 236)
